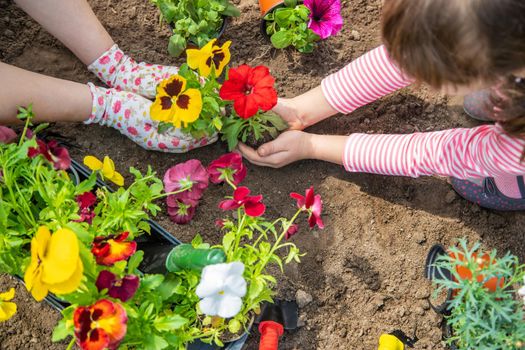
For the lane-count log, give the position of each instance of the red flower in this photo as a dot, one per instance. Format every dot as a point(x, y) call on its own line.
point(118, 288)
point(86, 201)
point(252, 204)
point(108, 250)
point(228, 166)
point(294, 228)
point(181, 210)
point(100, 326)
point(54, 153)
point(189, 174)
point(250, 89)
point(312, 203)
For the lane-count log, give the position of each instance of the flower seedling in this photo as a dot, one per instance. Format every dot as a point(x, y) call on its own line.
point(194, 21)
point(253, 94)
point(302, 25)
point(483, 312)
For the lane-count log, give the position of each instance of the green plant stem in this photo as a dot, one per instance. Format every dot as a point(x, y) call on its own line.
point(230, 182)
point(24, 132)
point(276, 245)
point(162, 195)
point(71, 344)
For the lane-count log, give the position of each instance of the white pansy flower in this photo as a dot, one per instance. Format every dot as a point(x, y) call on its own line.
point(521, 292)
point(221, 288)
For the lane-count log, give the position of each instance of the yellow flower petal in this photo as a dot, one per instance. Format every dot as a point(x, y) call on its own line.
point(39, 290)
point(108, 168)
point(225, 50)
point(158, 113)
point(92, 163)
point(195, 57)
point(189, 107)
point(61, 257)
point(7, 310)
point(9, 295)
point(72, 283)
point(40, 242)
point(117, 179)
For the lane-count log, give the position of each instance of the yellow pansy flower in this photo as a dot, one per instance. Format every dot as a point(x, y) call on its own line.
point(106, 168)
point(7, 308)
point(55, 263)
point(210, 56)
point(174, 104)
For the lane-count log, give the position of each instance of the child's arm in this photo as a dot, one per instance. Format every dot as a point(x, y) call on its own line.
point(363, 81)
point(462, 153)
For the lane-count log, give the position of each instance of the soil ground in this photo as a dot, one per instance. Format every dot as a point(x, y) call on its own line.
point(365, 270)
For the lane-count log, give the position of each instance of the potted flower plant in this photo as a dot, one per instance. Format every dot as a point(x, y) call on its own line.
point(190, 100)
point(300, 23)
point(196, 22)
point(253, 94)
point(482, 312)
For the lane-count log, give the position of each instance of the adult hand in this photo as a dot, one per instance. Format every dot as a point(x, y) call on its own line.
point(287, 109)
point(289, 147)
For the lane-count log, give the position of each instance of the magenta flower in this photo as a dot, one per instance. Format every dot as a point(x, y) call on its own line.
point(181, 210)
point(325, 17)
point(86, 201)
point(54, 153)
point(228, 166)
point(190, 174)
point(7, 135)
point(311, 203)
point(241, 198)
point(119, 288)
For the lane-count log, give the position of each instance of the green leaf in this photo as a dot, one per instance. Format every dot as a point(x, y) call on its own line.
point(163, 127)
point(62, 330)
point(217, 123)
point(234, 326)
point(86, 185)
point(281, 39)
point(290, 3)
point(231, 11)
point(169, 323)
point(176, 45)
point(227, 240)
point(168, 286)
point(134, 261)
point(154, 342)
point(168, 9)
point(150, 282)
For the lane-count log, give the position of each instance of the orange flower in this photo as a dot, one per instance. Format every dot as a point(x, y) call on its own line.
point(108, 250)
point(100, 326)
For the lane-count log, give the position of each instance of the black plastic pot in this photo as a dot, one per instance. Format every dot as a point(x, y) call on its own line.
point(156, 245)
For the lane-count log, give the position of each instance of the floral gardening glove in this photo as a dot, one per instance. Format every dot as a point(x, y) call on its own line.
point(129, 113)
point(119, 71)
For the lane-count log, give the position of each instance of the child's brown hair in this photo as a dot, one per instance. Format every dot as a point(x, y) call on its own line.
point(462, 42)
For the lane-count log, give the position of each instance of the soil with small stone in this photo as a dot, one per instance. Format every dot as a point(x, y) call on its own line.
point(363, 274)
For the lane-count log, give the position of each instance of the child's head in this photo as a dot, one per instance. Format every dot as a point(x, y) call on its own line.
point(460, 43)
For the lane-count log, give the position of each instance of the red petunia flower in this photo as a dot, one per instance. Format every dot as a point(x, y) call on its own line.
point(189, 174)
point(250, 89)
point(100, 326)
point(228, 166)
point(294, 228)
point(241, 198)
point(119, 288)
point(312, 203)
point(86, 201)
point(181, 210)
point(54, 153)
point(108, 250)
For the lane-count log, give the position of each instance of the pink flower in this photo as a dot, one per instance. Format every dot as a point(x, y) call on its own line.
point(190, 174)
point(86, 201)
point(312, 203)
point(228, 166)
point(7, 135)
point(325, 17)
point(180, 210)
point(294, 228)
point(119, 288)
point(54, 153)
point(241, 198)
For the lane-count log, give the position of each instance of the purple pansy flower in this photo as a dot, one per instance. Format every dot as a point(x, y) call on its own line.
point(118, 288)
point(325, 17)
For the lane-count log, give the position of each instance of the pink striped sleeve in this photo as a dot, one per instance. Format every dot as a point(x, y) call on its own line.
point(365, 80)
point(462, 153)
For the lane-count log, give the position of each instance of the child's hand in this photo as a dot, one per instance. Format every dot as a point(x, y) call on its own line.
point(288, 111)
point(289, 147)
point(129, 113)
